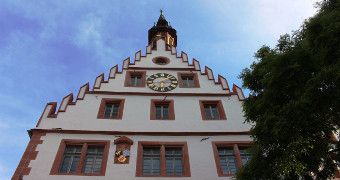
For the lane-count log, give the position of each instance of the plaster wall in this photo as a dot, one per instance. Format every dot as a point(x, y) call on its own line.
point(206, 86)
point(136, 115)
point(201, 158)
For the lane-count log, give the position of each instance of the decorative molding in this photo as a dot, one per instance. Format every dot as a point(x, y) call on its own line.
point(98, 82)
point(126, 63)
point(158, 94)
point(65, 102)
point(122, 153)
point(82, 91)
point(29, 155)
point(237, 90)
point(161, 133)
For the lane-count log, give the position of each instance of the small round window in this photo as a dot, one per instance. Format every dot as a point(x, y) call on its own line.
point(161, 60)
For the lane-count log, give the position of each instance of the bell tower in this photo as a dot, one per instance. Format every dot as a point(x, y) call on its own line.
point(162, 30)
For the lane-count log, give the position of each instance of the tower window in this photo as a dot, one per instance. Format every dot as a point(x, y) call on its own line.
point(188, 80)
point(135, 79)
point(111, 108)
point(161, 60)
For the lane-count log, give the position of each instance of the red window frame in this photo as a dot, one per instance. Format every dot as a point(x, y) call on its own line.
point(219, 107)
point(108, 101)
point(232, 144)
point(162, 146)
point(135, 73)
point(155, 102)
point(84, 144)
point(194, 75)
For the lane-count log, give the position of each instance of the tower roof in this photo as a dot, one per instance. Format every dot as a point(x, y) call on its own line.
point(162, 26)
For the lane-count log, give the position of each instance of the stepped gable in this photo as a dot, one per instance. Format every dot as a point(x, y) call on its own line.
point(50, 109)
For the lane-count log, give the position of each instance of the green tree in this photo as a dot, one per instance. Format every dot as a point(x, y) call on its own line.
point(295, 103)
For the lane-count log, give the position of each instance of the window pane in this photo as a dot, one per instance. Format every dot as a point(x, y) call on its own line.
point(151, 161)
point(135, 80)
point(188, 81)
point(93, 159)
point(245, 156)
point(174, 161)
point(111, 110)
point(207, 111)
point(211, 111)
point(70, 159)
point(162, 111)
point(227, 160)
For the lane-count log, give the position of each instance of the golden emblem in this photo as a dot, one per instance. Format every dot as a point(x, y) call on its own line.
point(121, 158)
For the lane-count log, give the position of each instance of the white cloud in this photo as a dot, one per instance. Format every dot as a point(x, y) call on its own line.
point(274, 18)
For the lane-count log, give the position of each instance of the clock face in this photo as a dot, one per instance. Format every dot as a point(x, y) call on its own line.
point(162, 82)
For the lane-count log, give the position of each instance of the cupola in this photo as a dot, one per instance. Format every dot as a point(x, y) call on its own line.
point(162, 30)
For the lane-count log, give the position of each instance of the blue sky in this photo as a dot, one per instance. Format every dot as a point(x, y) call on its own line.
point(49, 49)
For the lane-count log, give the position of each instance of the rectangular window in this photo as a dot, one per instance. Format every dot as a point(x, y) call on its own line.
point(188, 80)
point(70, 159)
point(111, 108)
point(212, 110)
point(174, 161)
point(151, 161)
point(93, 159)
point(81, 157)
point(227, 160)
point(162, 109)
point(135, 79)
point(162, 159)
point(230, 155)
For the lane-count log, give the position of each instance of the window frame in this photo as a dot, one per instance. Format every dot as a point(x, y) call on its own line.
point(84, 143)
point(169, 102)
point(219, 108)
point(135, 73)
point(105, 101)
point(194, 75)
point(233, 144)
point(162, 146)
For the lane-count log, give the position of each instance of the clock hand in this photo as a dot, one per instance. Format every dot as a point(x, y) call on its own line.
point(165, 79)
point(162, 83)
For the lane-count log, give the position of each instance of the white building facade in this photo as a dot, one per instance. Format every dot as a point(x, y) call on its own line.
point(160, 117)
